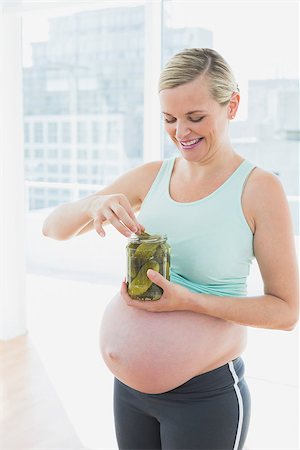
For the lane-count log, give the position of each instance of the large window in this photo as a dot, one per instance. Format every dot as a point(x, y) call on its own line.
point(84, 91)
point(80, 85)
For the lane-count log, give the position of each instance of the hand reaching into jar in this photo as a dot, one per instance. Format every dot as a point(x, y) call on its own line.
point(116, 210)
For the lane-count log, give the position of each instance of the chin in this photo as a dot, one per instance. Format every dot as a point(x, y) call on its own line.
point(193, 156)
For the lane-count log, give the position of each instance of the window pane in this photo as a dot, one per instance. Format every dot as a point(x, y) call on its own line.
point(83, 73)
point(66, 132)
point(66, 153)
point(26, 132)
point(97, 132)
point(38, 132)
point(52, 132)
point(52, 153)
point(38, 153)
point(81, 132)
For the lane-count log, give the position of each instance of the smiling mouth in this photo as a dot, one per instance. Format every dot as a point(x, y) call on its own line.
point(190, 144)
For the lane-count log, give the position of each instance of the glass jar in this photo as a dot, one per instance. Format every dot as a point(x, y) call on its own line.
point(145, 252)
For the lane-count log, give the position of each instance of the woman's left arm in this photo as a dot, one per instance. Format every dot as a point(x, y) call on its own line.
point(274, 249)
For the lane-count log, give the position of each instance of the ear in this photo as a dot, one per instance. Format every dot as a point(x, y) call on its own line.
point(233, 105)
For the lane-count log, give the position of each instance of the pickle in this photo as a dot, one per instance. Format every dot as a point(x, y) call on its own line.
point(168, 270)
point(141, 283)
point(162, 255)
point(159, 253)
point(145, 235)
point(133, 268)
point(133, 245)
point(154, 292)
point(145, 250)
point(135, 262)
point(131, 262)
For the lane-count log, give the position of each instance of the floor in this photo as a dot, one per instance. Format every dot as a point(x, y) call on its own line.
point(64, 332)
point(32, 415)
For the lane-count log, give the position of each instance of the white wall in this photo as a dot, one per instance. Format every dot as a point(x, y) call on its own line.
point(12, 209)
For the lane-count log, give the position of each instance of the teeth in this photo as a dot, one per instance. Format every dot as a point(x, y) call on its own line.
point(191, 142)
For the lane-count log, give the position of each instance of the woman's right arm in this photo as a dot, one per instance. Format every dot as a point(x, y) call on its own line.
point(115, 204)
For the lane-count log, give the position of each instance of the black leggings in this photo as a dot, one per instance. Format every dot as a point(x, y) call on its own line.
point(209, 412)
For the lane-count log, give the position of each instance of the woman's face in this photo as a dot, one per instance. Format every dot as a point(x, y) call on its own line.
point(195, 122)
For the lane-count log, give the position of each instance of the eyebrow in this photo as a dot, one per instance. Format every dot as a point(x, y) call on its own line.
point(190, 112)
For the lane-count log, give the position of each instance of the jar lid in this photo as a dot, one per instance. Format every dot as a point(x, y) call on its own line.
point(150, 239)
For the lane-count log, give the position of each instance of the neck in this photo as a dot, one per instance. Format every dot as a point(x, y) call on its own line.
point(218, 162)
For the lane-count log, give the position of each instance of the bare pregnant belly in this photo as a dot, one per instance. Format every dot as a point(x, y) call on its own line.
point(156, 352)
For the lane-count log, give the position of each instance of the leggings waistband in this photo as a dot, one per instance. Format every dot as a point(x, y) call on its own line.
point(219, 378)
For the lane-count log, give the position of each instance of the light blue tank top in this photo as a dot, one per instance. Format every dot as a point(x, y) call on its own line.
point(211, 242)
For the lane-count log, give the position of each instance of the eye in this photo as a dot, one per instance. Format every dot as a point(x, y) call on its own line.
point(197, 120)
point(170, 120)
point(190, 118)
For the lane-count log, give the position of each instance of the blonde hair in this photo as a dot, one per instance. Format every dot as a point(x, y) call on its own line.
point(190, 63)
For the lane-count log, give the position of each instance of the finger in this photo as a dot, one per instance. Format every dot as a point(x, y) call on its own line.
point(141, 228)
point(115, 222)
point(127, 206)
point(126, 296)
point(124, 216)
point(125, 202)
point(157, 278)
point(124, 288)
point(98, 227)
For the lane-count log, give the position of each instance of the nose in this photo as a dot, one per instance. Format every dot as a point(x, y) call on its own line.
point(182, 130)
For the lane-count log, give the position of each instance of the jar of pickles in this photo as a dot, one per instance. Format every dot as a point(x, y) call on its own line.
point(145, 252)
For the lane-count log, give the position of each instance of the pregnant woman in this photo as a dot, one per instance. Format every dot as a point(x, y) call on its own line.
point(179, 374)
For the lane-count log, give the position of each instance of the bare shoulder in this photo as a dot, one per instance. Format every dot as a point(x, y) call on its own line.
point(264, 195)
point(142, 177)
point(135, 183)
point(263, 185)
point(148, 173)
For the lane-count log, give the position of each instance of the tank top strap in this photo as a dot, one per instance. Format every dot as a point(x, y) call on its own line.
point(239, 178)
point(160, 185)
point(166, 170)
